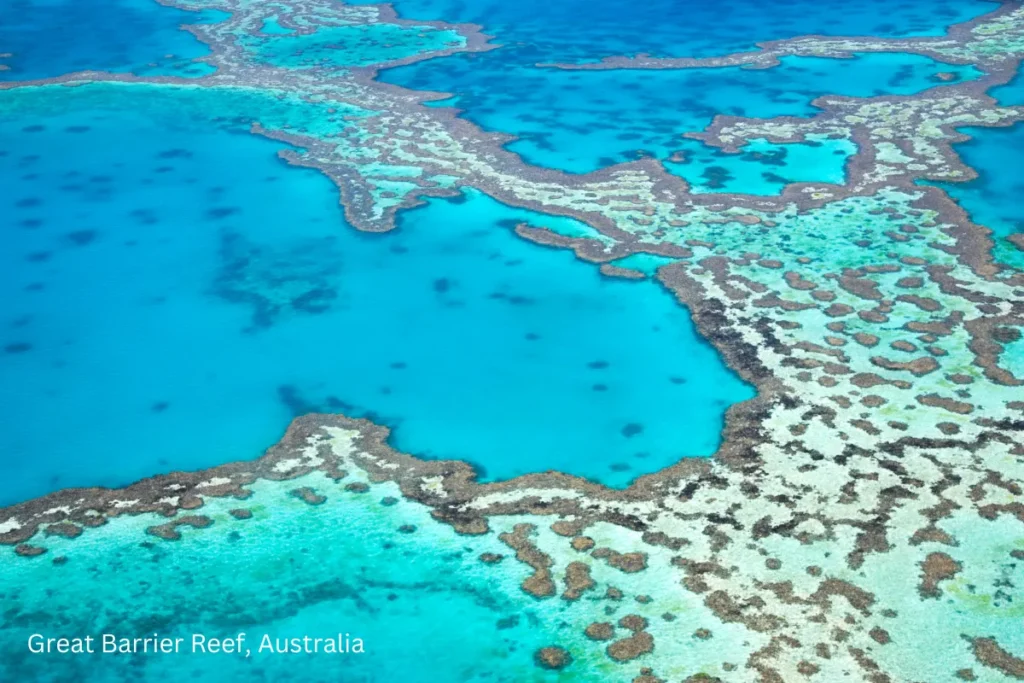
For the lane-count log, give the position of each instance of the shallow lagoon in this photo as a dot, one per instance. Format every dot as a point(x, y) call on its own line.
point(172, 303)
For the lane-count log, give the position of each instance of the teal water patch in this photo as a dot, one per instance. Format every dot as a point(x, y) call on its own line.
point(272, 27)
point(1012, 357)
point(993, 198)
point(764, 168)
point(172, 302)
point(47, 38)
point(579, 121)
point(648, 264)
point(351, 46)
point(424, 607)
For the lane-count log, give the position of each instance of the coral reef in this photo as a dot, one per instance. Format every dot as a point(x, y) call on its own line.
point(864, 509)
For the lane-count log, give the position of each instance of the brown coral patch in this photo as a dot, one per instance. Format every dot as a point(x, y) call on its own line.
point(539, 584)
point(952, 405)
point(627, 649)
point(629, 563)
point(919, 367)
point(169, 531)
point(308, 495)
point(27, 550)
point(552, 657)
point(633, 622)
point(935, 568)
point(64, 529)
point(600, 630)
point(577, 580)
point(988, 652)
point(582, 543)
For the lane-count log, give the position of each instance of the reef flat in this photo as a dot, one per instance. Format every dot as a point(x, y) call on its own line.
point(861, 517)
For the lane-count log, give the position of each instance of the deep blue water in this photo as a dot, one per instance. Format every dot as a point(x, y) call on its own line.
point(586, 30)
point(48, 38)
point(579, 121)
point(171, 303)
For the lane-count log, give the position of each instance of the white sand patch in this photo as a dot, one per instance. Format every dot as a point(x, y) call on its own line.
point(287, 465)
point(9, 525)
point(216, 481)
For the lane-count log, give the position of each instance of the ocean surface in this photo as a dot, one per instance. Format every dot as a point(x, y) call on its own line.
point(173, 294)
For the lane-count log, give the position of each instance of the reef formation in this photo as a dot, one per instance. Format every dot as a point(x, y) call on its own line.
point(863, 511)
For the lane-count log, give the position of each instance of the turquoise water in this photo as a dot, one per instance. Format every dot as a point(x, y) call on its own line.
point(172, 303)
point(1012, 357)
point(272, 27)
point(644, 263)
point(173, 294)
point(48, 38)
point(585, 30)
point(763, 168)
point(579, 121)
point(993, 198)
